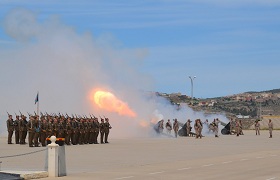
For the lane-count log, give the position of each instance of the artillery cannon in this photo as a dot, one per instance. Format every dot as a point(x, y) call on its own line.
point(226, 130)
point(183, 130)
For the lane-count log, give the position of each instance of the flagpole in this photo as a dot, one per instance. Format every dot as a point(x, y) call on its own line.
point(38, 105)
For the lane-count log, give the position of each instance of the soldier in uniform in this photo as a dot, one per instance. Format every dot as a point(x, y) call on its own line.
point(81, 131)
point(241, 128)
point(257, 127)
point(16, 127)
point(101, 128)
point(60, 128)
point(37, 131)
point(96, 130)
point(10, 128)
point(270, 128)
point(68, 131)
point(231, 127)
point(198, 128)
point(168, 126)
point(44, 129)
point(22, 129)
point(50, 130)
point(107, 128)
point(237, 126)
point(55, 127)
point(86, 127)
point(31, 131)
point(176, 127)
point(91, 131)
point(74, 134)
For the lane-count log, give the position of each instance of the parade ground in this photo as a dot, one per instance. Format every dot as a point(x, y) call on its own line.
point(227, 157)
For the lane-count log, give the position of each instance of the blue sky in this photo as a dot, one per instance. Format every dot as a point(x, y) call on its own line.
point(231, 46)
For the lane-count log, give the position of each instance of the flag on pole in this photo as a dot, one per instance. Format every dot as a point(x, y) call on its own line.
point(37, 98)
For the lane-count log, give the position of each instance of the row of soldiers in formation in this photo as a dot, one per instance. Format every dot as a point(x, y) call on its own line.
point(75, 130)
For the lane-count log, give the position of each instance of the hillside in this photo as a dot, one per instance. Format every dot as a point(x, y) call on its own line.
point(244, 105)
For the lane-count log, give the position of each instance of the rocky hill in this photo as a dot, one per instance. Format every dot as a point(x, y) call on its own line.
point(249, 105)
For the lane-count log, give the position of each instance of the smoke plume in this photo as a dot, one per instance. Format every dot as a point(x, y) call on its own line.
point(65, 66)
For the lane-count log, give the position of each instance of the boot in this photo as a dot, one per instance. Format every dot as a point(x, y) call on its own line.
point(270, 136)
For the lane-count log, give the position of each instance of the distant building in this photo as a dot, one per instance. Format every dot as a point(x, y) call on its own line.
point(242, 117)
point(175, 94)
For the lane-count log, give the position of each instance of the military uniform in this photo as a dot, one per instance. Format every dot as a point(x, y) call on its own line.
point(86, 136)
point(96, 131)
point(198, 128)
point(37, 132)
point(50, 131)
point(107, 128)
point(31, 131)
point(55, 128)
point(237, 126)
point(60, 129)
point(68, 131)
point(16, 127)
point(168, 126)
point(91, 131)
point(101, 128)
point(176, 127)
point(22, 129)
point(81, 132)
point(44, 132)
point(257, 127)
point(10, 129)
point(75, 132)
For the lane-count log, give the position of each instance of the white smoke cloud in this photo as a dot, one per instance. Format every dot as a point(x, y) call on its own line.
point(64, 66)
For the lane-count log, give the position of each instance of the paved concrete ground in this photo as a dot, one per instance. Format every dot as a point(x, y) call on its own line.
point(226, 157)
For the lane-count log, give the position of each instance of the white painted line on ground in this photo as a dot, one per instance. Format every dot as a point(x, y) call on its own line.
point(227, 162)
point(156, 172)
point(128, 177)
point(184, 169)
point(244, 159)
point(259, 157)
point(271, 178)
point(207, 165)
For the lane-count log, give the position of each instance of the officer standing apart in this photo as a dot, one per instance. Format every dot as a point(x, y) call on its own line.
point(257, 127)
point(10, 128)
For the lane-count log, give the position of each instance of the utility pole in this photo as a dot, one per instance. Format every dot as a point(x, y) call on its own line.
point(192, 79)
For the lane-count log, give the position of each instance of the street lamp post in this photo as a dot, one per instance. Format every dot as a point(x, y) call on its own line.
point(192, 79)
